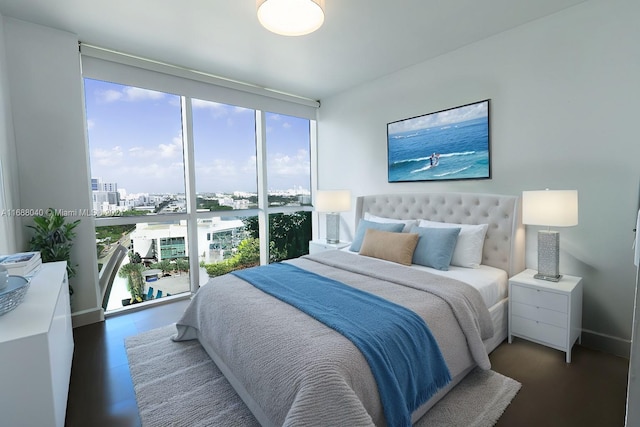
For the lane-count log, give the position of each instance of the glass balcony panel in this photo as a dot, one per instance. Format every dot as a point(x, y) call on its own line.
point(157, 260)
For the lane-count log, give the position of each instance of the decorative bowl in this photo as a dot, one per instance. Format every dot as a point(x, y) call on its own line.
point(13, 295)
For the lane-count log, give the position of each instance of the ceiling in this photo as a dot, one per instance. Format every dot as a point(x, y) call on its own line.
point(361, 40)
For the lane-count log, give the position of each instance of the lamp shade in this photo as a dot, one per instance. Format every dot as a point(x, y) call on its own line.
point(333, 200)
point(291, 17)
point(553, 208)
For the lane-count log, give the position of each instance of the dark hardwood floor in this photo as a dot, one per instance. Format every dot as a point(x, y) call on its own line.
point(101, 392)
point(591, 391)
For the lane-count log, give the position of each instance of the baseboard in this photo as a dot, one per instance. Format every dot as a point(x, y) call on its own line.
point(147, 304)
point(607, 343)
point(87, 317)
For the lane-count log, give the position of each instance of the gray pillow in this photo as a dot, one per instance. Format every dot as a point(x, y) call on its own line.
point(435, 247)
point(363, 225)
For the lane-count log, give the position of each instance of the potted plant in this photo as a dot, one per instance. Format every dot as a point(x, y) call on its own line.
point(132, 271)
point(53, 237)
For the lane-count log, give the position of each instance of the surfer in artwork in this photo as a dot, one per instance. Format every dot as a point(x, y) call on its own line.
point(434, 159)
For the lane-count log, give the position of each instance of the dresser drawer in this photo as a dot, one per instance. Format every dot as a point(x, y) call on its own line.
point(539, 298)
point(539, 331)
point(540, 314)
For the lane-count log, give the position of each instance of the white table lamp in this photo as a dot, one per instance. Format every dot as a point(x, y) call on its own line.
point(550, 208)
point(333, 202)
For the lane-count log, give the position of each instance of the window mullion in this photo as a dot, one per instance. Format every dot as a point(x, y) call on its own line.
point(190, 189)
point(313, 147)
point(263, 199)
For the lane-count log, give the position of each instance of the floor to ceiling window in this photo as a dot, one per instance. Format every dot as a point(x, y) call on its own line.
point(137, 169)
point(192, 188)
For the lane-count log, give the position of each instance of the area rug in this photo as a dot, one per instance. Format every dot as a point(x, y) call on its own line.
point(177, 384)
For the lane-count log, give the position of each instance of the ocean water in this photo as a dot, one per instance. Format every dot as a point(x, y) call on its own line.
point(463, 149)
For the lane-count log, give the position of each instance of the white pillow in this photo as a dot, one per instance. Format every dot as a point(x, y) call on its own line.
point(468, 251)
point(408, 223)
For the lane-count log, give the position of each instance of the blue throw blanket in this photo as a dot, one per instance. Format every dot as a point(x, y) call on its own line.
point(403, 356)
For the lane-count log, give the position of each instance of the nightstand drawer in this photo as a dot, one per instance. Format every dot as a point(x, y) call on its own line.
point(539, 331)
point(539, 314)
point(539, 298)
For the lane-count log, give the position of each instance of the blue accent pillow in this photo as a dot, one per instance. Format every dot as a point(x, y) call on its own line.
point(435, 247)
point(363, 225)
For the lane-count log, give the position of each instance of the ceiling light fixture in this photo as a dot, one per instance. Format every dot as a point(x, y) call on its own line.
point(291, 17)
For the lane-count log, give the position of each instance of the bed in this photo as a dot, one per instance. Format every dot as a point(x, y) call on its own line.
point(291, 369)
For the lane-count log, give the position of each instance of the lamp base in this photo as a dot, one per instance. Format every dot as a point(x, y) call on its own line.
point(333, 227)
point(548, 278)
point(548, 256)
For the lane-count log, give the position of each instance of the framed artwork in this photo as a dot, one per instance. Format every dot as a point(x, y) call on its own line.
point(451, 144)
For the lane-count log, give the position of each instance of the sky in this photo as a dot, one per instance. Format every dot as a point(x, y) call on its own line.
point(441, 118)
point(135, 140)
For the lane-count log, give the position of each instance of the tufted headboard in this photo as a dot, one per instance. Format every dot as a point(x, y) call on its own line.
point(504, 242)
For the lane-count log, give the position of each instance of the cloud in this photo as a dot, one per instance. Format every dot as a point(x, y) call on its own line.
point(137, 151)
point(227, 167)
point(442, 118)
point(219, 110)
point(165, 151)
point(215, 168)
point(152, 177)
point(109, 95)
point(171, 150)
point(137, 94)
point(112, 157)
point(285, 165)
point(199, 103)
point(250, 165)
point(168, 150)
point(128, 94)
point(225, 175)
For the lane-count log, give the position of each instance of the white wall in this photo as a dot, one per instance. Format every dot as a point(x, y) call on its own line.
point(633, 390)
point(48, 120)
point(9, 198)
point(564, 96)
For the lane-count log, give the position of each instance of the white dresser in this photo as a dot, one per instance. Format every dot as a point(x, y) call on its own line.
point(36, 350)
point(549, 313)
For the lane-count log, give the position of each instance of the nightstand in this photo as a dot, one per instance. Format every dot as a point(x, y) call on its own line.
point(321, 245)
point(548, 313)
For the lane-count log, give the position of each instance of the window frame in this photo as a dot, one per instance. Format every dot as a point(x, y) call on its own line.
point(100, 64)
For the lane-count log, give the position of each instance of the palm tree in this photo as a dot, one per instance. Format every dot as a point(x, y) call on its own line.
point(132, 271)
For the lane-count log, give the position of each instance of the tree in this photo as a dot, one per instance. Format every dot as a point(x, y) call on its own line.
point(289, 238)
point(289, 234)
point(211, 204)
point(164, 265)
point(182, 264)
point(248, 252)
point(248, 255)
point(132, 271)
